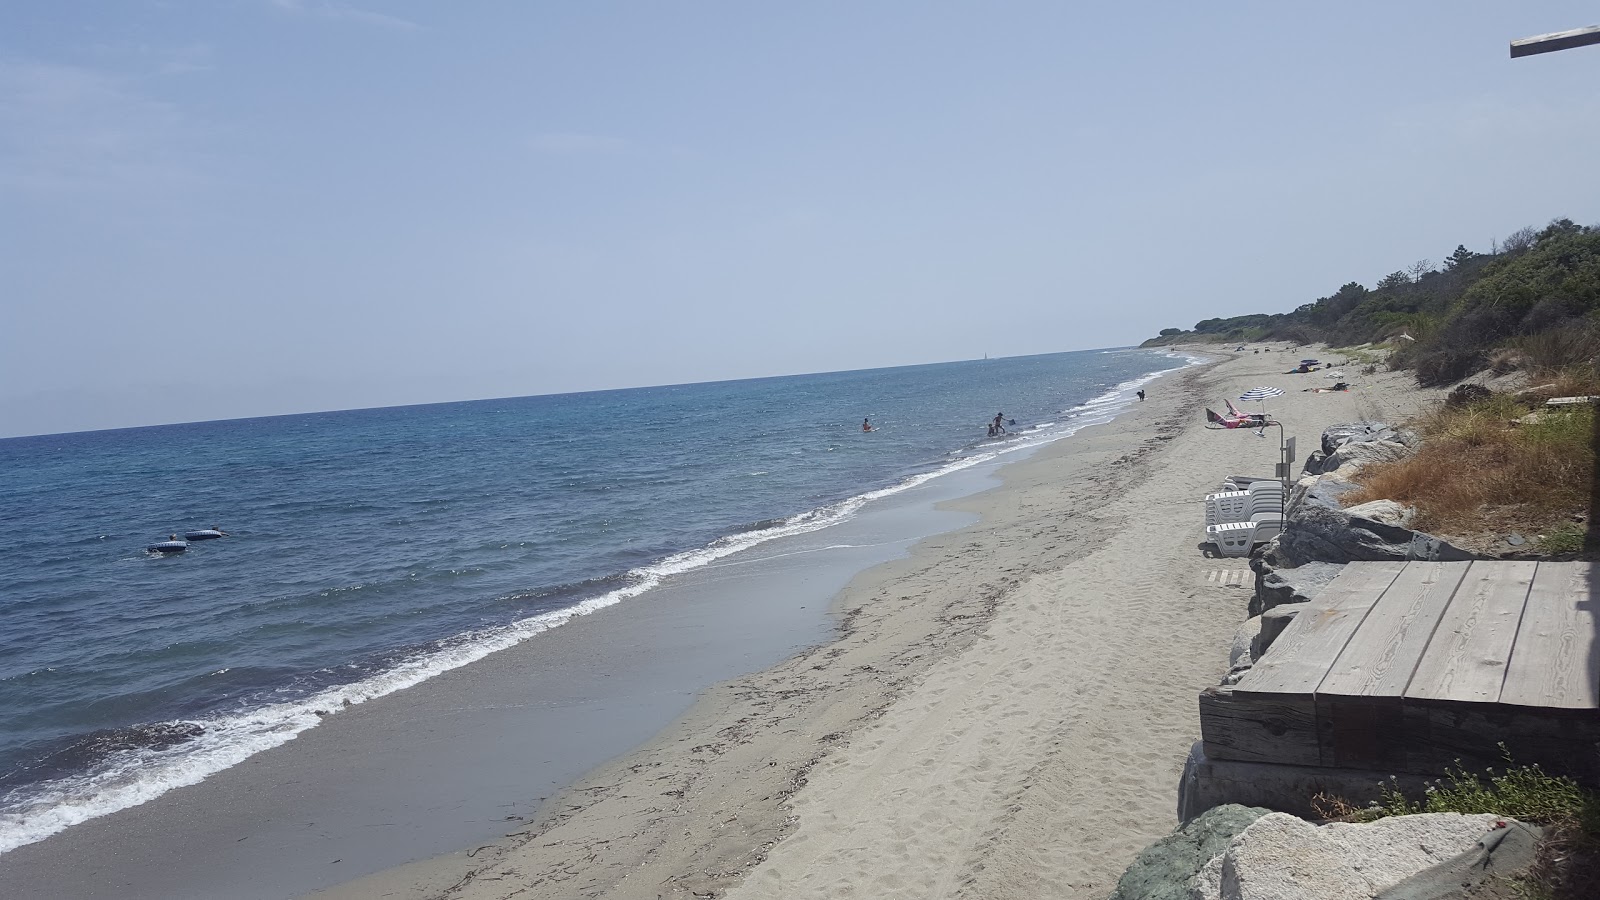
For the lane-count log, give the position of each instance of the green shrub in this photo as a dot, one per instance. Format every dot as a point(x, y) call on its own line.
point(1566, 539)
point(1525, 793)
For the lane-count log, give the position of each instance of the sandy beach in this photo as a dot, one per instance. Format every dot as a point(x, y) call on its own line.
point(1004, 713)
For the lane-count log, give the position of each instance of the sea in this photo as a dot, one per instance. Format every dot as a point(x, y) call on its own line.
point(370, 550)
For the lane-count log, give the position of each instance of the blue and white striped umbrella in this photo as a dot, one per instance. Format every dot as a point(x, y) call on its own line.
point(1261, 393)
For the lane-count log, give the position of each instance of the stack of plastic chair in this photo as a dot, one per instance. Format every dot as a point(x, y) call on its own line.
point(1235, 521)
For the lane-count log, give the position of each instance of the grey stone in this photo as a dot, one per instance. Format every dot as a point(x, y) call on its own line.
point(1357, 444)
point(1320, 531)
point(1356, 455)
point(1281, 857)
point(1502, 853)
point(1273, 622)
point(1324, 490)
point(1313, 463)
point(1243, 640)
point(1162, 870)
point(1389, 512)
point(1276, 587)
point(1336, 436)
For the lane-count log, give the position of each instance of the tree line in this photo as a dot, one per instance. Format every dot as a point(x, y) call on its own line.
point(1537, 291)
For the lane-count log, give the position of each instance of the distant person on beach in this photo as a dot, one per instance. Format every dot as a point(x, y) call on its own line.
point(1141, 396)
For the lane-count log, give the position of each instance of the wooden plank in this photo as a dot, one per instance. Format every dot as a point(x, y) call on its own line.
point(1556, 659)
point(1302, 655)
point(1444, 736)
point(1556, 40)
point(1363, 732)
point(1466, 660)
point(1384, 652)
point(1280, 728)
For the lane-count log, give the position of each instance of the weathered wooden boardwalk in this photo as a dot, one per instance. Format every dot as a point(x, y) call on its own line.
point(1411, 667)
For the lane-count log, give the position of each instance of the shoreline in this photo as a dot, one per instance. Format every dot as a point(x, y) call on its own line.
point(379, 782)
point(704, 802)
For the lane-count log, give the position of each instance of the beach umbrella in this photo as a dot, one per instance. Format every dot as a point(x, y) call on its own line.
point(1261, 393)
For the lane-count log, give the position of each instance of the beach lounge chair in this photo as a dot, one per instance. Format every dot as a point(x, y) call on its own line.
point(1232, 539)
point(1237, 506)
point(1255, 489)
point(1239, 538)
point(1241, 482)
point(1215, 419)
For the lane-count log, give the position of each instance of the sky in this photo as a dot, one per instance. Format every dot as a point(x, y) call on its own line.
point(227, 208)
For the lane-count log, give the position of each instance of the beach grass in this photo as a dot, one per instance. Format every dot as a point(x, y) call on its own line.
point(1486, 467)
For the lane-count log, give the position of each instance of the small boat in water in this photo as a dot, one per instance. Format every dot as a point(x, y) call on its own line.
point(204, 534)
point(171, 545)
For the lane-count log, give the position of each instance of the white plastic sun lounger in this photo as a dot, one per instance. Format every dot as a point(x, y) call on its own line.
point(1239, 538)
point(1239, 506)
point(1243, 482)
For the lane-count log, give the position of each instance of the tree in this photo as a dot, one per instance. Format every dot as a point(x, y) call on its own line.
point(1393, 281)
point(1169, 332)
point(1459, 258)
point(1420, 268)
point(1519, 241)
point(1557, 228)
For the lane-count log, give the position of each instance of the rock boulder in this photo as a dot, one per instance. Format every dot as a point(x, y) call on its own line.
point(1281, 857)
point(1276, 587)
point(1163, 870)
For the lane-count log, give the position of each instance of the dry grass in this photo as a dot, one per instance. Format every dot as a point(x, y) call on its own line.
point(1566, 865)
point(1477, 472)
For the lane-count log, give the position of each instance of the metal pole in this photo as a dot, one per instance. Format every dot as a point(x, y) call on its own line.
point(1283, 495)
point(1558, 40)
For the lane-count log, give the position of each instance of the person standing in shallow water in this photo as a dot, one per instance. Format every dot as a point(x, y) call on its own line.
point(999, 426)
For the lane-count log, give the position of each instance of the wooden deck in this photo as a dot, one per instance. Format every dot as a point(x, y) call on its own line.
point(1410, 667)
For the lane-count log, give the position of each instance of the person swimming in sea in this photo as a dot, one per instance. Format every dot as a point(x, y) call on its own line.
point(866, 425)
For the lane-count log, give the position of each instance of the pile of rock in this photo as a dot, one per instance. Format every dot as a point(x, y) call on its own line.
point(1320, 535)
point(1247, 853)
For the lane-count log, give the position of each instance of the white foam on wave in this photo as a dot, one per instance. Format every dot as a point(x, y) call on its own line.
point(132, 777)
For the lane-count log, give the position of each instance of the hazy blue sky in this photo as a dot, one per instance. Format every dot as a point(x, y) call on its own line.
point(244, 207)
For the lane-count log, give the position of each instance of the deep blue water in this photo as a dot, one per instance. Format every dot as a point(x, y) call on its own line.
point(371, 549)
